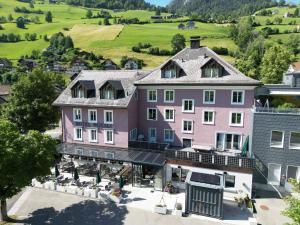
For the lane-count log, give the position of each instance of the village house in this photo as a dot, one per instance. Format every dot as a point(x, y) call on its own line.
point(108, 64)
point(5, 64)
point(131, 64)
point(4, 93)
point(181, 26)
point(27, 64)
point(76, 66)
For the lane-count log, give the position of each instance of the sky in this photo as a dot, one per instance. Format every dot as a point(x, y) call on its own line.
point(165, 2)
point(160, 2)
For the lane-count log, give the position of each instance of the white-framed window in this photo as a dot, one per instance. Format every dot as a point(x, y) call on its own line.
point(292, 172)
point(152, 95)
point(187, 126)
point(152, 134)
point(93, 135)
point(168, 135)
point(92, 116)
point(229, 181)
point(295, 140)
point(236, 119)
point(209, 96)
point(169, 96)
point(108, 117)
point(133, 135)
point(277, 138)
point(188, 105)
point(78, 133)
point(171, 73)
point(151, 114)
point(169, 115)
point(237, 97)
point(77, 115)
point(228, 141)
point(211, 72)
point(108, 136)
point(208, 117)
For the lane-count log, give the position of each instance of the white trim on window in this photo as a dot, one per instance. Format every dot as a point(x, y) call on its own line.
point(187, 131)
point(165, 115)
point(169, 140)
point(213, 117)
point(236, 124)
point(282, 139)
point(105, 136)
point(193, 106)
point(243, 97)
point(148, 95)
point(89, 115)
point(187, 138)
point(293, 148)
point(90, 135)
point(165, 95)
point(286, 171)
point(112, 117)
point(155, 114)
point(74, 114)
point(152, 139)
point(75, 134)
point(225, 133)
point(205, 102)
point(271, 182)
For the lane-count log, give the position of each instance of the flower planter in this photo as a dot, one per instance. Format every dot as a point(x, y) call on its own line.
point(80, 191)
point(87, 192)
point(252, 221)
point(61, 188)
point(52, 186)
point(178, 212)
point(160, 209)
point(72, 190)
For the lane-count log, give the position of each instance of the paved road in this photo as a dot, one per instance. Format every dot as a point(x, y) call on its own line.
point(10, 202)
point(47, 207)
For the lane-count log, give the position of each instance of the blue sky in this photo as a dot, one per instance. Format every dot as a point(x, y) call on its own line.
point(165, 2)
point(159, 2)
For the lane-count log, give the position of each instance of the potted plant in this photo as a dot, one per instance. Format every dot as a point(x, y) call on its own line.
point(161, 209)
point(169, 187)
point(178, 209)
point(248, 203)
point(240, 202)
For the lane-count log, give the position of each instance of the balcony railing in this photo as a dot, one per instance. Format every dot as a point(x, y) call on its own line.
point(295, 111)
point(210, 158)
point(196, 157)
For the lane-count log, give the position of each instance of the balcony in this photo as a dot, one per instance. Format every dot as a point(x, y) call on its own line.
point(295, 111)
point(213, 158)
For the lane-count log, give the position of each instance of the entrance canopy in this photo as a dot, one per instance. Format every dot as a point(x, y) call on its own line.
point(116, 154)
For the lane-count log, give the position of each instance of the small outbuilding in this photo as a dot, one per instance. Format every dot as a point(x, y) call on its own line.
point(204, 194)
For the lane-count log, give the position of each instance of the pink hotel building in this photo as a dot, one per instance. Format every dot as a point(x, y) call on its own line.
point(193, 113)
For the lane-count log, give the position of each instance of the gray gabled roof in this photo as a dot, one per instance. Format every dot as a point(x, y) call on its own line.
point(125, 78)
point(191, 61)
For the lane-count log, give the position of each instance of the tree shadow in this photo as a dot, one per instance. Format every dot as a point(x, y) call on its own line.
point(83, 213)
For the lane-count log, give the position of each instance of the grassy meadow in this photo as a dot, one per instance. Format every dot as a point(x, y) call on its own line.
point(110, 41)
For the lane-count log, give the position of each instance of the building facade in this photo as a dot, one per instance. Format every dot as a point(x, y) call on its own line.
point(193, 113)
point(276, 131)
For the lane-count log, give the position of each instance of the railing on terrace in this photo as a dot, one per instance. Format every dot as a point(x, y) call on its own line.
point(277, 110)
point(210, 158)
point(148, 145)
point(196, 157)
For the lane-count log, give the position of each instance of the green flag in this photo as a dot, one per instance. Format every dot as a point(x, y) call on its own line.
point(56, 171)
point(76, 176)
point(98, 178)
point(245, 147)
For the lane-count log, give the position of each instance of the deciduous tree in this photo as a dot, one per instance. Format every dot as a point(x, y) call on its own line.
point(178, 42)
point(274, 63)
point(22, 158)
point(30, 104)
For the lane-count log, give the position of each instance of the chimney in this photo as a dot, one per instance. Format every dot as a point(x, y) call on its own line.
point(195, 42)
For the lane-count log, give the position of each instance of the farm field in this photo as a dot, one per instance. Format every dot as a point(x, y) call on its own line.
point(112, 41)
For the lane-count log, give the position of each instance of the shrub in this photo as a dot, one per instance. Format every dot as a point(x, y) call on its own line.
point(136, 49)
point(220, 50)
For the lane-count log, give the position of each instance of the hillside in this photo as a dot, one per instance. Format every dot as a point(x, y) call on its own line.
point(219, 8)
point(112, 41)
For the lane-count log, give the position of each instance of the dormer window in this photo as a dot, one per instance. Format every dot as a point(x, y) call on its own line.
point(212, 69)
point(112, 89)
point(211, 72)
point(171, 73)
point(84, 89)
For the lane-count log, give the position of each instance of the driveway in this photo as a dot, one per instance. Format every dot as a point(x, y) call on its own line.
point(38, 206)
